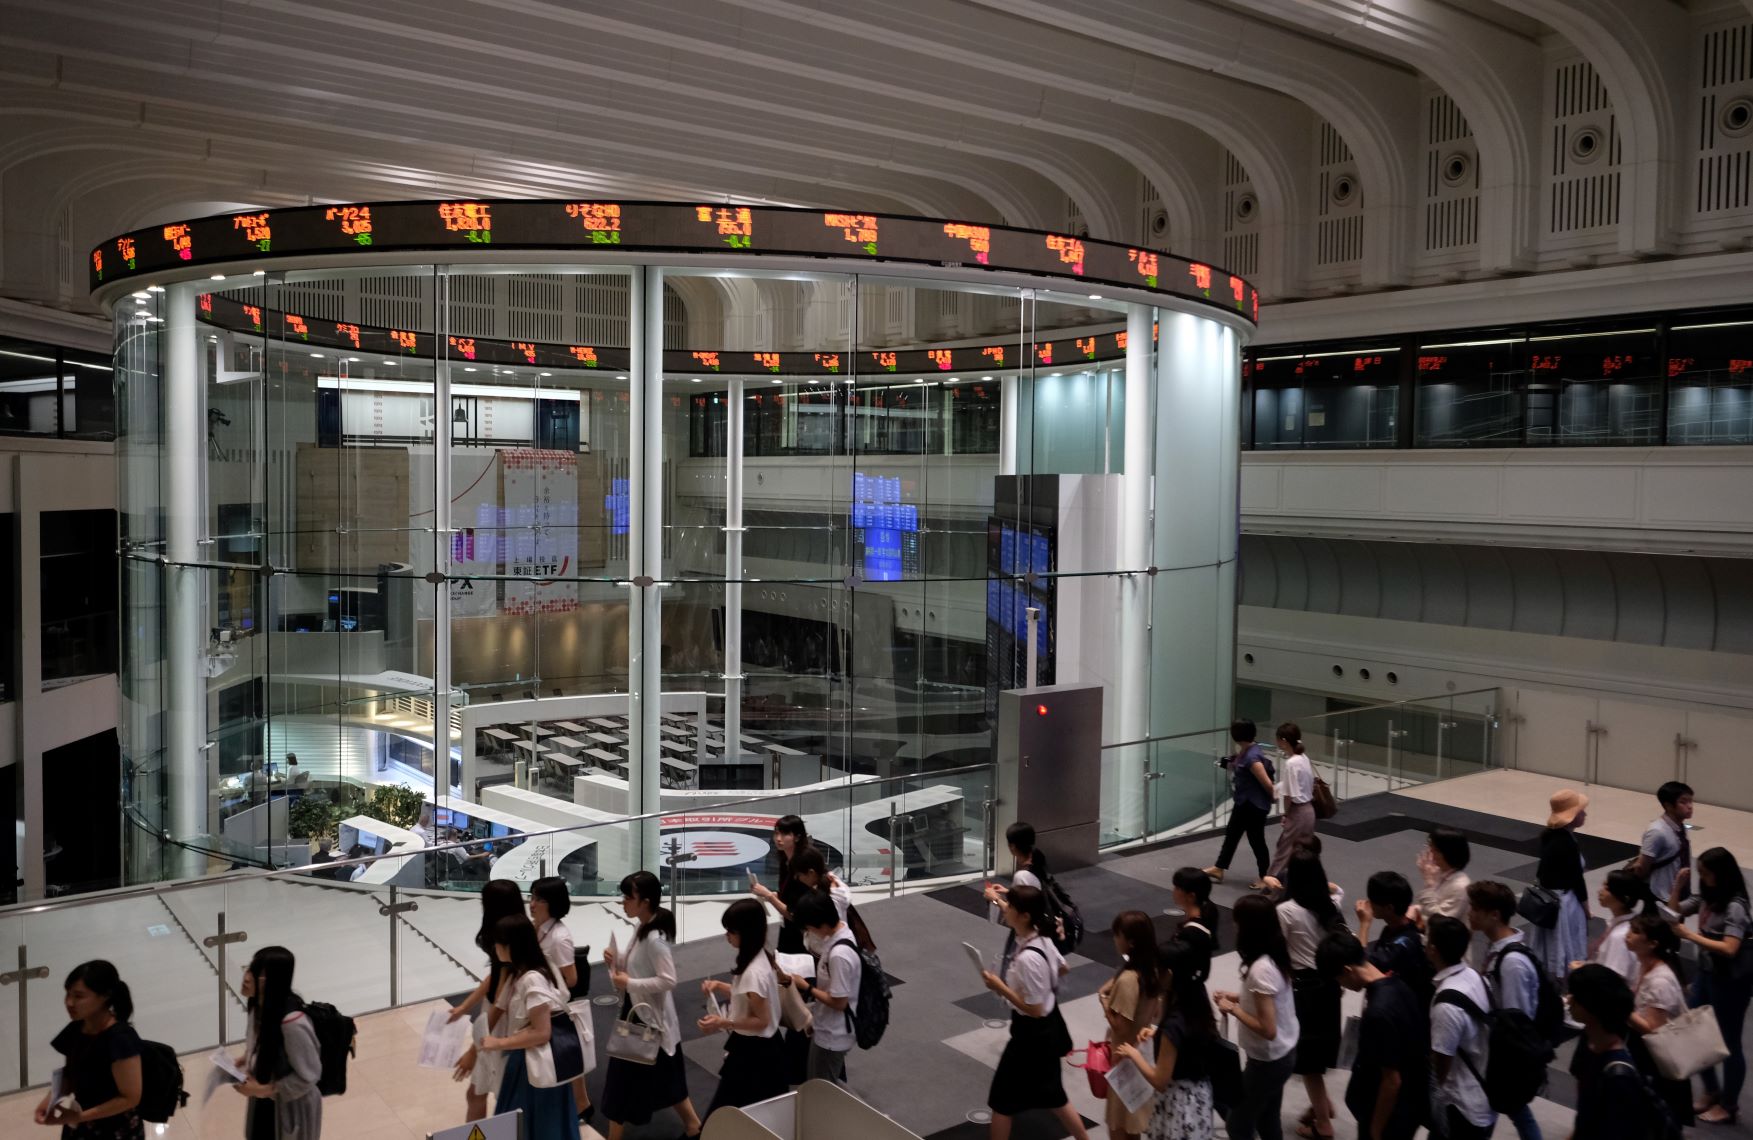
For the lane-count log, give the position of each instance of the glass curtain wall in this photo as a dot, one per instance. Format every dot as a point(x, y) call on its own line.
point(548, 544)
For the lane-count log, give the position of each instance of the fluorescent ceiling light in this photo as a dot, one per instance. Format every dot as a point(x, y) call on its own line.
point(1713, 325)
point(418, 388)
point(1472, 343)
point(1582, 335)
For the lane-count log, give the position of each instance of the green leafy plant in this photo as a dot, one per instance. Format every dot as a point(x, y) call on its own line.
point(399, 805)
point(313, 817)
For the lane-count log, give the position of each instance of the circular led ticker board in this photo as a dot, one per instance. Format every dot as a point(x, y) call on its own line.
point(660, 227)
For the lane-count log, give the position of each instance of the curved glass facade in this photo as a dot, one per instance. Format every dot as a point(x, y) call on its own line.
point(603, 539)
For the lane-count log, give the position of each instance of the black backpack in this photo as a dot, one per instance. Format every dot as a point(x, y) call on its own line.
point(1548, 1006)
point(1062, 915)
point(1516, 1055)
point(161, 1083)
point(335, 1042)
point(1658, 1119)
point(869, 1015)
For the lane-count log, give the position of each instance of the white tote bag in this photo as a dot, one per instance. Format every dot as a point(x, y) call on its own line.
point(1687, 1045)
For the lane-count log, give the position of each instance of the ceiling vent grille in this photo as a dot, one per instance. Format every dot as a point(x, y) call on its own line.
point(324, 300)
point(1725, 119)
point(471, 305)
point(1586, 151)
point(600, 311)
point(1451, 177)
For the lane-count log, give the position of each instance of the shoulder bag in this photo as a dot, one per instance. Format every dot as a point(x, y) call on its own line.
point(1322, 799)
point(562, 1058)
point(1687, 1045)
point(1539, 906)
point(634, 1040)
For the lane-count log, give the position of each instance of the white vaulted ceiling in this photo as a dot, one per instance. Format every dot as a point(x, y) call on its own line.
point(1331, 117)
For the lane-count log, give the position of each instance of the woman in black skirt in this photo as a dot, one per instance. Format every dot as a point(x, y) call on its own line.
point(790, 839)
point(1029, 1073)
point(754, 1060)
point(646, 975)
point(1306, 916)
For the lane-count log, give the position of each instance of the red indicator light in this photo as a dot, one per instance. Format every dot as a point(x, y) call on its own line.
point(1040, 710)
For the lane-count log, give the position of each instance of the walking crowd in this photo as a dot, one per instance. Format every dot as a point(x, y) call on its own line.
point(1468, 990)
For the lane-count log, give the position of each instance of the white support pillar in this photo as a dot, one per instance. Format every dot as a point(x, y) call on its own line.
point(1007, 423)
point(733, 572)
point(1133, 588)
point(186, 757)
point(645, 560)
point(442, 437)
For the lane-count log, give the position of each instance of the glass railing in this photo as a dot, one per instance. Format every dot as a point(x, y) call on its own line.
point(1172, 785)
point(391, 929)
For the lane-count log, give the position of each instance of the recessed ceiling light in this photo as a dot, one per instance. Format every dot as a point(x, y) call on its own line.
point(468, 370)
point(775, 381)
point(155, 288)
point(623, 376)
point(352, 360)
point(815, 381)
point(391, 363)
point(217, 277)
point(547, 374)
point(143, 295)
point(985, 377)
point(696, 380)
point(317, 355)
point(259, 273)
point(1095, 296)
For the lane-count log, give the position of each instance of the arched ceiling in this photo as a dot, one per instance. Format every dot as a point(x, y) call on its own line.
point(1054, 114)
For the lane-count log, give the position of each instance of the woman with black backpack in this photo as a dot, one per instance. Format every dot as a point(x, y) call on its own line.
point(102, 1070)
point(281, 1054)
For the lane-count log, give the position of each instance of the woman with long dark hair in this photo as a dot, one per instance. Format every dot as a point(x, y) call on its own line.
point(645, 973)
point(281, 1053)
point(1723, 918)
point(1130, 1001)
point(1306, 916)
point(791, 839)
point(1297, 823)
point(1030, 1075)
point(1181, 1074)
point(482, 1068)
point(1266, 1012)
point(754, 1066)
point(530, 998)
point(102, 1051)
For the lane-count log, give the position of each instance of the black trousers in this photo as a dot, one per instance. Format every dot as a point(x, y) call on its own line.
point(1251, 819)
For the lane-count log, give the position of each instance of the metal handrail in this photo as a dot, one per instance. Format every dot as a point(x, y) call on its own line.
point(1341, 712)
point(173, 886)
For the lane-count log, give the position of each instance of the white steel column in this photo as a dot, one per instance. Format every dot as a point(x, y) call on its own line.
point(645, 559)
point(186, 759)
point(1133, 587)
point(1007, 423)
point(442, 436)
point(733, 572)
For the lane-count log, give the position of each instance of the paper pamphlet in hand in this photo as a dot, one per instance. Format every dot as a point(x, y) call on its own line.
point(225, 1071)
point(614, 951)
point(975, 956)
point(443, 1041)
point(714, 1006)
point(1128, 1081)
point(797, 965)
point(57, 1085)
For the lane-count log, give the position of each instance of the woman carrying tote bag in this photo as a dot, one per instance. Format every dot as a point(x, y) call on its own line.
point(533, 1006)
point(1659, 1000)
point(646, 976)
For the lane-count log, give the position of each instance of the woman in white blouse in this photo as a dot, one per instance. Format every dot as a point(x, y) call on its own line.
point(1660, 998)
point(646, 975)
point(1298, 785)
point(754, 1066)
point(1623, 896)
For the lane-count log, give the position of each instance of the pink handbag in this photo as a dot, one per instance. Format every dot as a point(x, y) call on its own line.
point(1098, 1059)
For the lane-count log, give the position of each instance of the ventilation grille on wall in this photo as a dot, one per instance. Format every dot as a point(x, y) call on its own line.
point(1339, 230)
point(325, 300)
point(1241, 219)
point(68, 264)
point(533, 306)
point(1153, 218)
point(600, 311)
point(396, 302)
point(1451, 178)
point(1075, 225)
point(1585, 151)
point(471, 305)
point(1725, 119)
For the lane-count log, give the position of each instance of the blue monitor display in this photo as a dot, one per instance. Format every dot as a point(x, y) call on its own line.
point(878, 511)
point(618, 504)
point(882, 555)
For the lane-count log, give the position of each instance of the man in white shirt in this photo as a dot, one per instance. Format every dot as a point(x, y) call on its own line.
point(1511, 977)
point(838, 973)
point(1667, 846)
point(1457, 1033)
